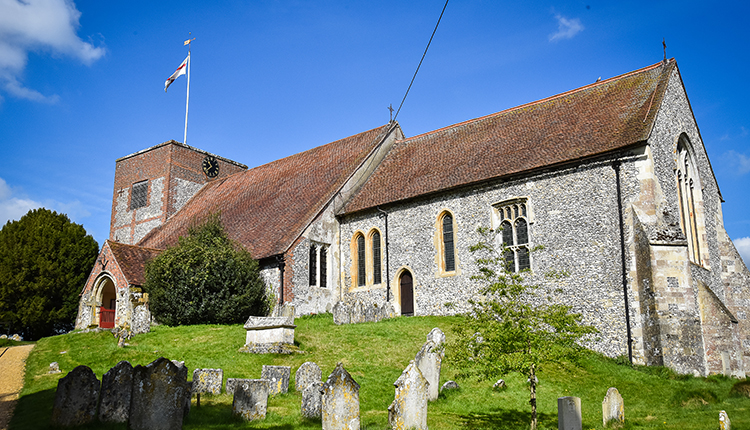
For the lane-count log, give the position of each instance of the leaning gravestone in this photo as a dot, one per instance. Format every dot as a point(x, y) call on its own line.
point(250, 399)
point(278, 377)
point(409, 407)
point(76, 398)
point(160, 391)
point(429, 359)
point(613, 408)
point(724, 423)
point(117, 387)
point(312, 400)
point(569, 413)
point(306, 374)
point(340, 401)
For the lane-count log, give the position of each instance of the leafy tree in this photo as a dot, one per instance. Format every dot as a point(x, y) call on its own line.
point(512, 329)
point(44, 262)
point(205, 279)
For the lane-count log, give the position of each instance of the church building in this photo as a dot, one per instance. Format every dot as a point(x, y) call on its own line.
point(605, 193)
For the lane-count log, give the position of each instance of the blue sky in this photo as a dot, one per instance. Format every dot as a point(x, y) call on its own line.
point(81, 84)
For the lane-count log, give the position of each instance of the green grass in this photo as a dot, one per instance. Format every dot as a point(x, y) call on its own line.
point(375, 354)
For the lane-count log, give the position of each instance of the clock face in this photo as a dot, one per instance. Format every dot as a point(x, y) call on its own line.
point(211, 166)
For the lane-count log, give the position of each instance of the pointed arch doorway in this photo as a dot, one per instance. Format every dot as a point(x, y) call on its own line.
point(406, 289)
point(107, 299)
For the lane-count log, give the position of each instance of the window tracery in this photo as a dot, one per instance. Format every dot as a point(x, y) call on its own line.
point(512, 220)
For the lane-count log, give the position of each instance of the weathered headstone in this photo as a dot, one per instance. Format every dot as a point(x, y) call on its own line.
point(250, 398)
point(206, 381)
point(724, 423)
point(499, 385)
point(357, 313)
point(569, 413)
point(341, 313)
point(340, 401)
point(450, 385)
point(278, 377)
point(312, 400)
point(436, 335)
point(307, 374)
point(117, 387)
point(76, 398)
point(160, 391)
point(429, 359)
point(613, 408)
point(54, 367)
point(409, 407)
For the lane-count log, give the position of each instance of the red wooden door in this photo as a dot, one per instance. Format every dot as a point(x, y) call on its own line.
point(106, 318)
point(407, 293)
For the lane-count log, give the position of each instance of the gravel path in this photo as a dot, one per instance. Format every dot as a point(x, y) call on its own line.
point(12, 366)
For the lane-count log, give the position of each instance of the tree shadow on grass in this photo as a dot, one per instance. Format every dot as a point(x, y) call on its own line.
point(504, 419)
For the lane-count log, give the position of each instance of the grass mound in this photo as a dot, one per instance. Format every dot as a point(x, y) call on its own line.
point(375, 354)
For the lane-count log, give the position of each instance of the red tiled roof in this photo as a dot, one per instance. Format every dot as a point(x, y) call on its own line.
point(268, 207)
point(132, 260)
point(581, 123)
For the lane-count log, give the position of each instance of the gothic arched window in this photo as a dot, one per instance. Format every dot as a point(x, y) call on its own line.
point(376, 260)
point(361, 267)
point(688, 196)
point(513, 234)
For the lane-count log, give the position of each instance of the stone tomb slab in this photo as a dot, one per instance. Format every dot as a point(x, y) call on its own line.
point(160, 391)
point(250, 399)
point(269, 335)
point(76, 398)
point(278, 378)
point(117, 387)
point(308, 373)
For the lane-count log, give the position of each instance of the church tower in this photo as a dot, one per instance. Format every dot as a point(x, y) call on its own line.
point(153, 184)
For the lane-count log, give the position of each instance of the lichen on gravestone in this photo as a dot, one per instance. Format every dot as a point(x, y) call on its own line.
point(613, 408)
point(312, 400)
point(429, 359)
point(207, 381)
point(117, 387)
point(76, 398)
point(278, 377)
point(724, 423)
point(307, 374)
point(160, 392)
point(250, 398)
point(340, 401)
point(409, 407)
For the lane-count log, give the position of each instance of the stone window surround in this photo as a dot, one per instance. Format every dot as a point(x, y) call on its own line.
point(368, 261)
point(439, 242)
point(319, 270)
point(690, 195)
point(497, 220)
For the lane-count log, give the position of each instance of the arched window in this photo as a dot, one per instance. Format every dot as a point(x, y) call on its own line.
point(376, 260)
point(688, 192)
point(446, 243)
point(318, 265)
point(514, 234)
point(323, 266)
point(361, 267)
point(313, 265)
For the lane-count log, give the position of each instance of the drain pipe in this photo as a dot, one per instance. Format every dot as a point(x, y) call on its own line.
point(281, 265)
point(387, 260)
point(616, 167)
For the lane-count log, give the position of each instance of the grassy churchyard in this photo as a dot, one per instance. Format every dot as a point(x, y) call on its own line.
point(375, 354)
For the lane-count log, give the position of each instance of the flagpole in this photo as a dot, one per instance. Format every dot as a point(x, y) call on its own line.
point(187, 98)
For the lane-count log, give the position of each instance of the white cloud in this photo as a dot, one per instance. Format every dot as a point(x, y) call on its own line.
point(13, 206)
point(743, 247)
point(566, 28)
point(738, 163)
point(38, 25)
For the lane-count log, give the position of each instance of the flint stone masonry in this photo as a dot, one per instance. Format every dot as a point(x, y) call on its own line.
point(312, 400)
point(429, 359)
point(115, 397)
point(308, 373)
point(207, 381)
point(269, 334)
point(76, 398)
point(278, 378)
point(569, 413)
point(409, 407)
point(250, 399)
point(340, 401)
point(613, 408)
point(160, 391)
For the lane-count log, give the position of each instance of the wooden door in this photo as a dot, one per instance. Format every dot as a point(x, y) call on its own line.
point(407, 293)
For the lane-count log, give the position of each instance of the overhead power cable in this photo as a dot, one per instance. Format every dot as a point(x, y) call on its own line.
point(420, 61)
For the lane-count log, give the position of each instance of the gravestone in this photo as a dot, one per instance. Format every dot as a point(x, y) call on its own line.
point(250, 399)
point(409, 407)
point(341, 313)
point(160, 391)
point(613, 408)
point(340, 401)
point(278, 378)
point(76, 398)
point(117, 387)
point(499, 385)
point(724, 423)
point(307, 374)
point(569, 413)
point(206, 381)
point(429, 359)
point(269, 335)
point(358, 315)
point(450, 385)
point(312, 400)
point(54, 367)
point(436, 335)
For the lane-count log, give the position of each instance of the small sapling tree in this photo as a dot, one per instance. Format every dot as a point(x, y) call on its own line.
point(511, 328)
point(205, 279)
